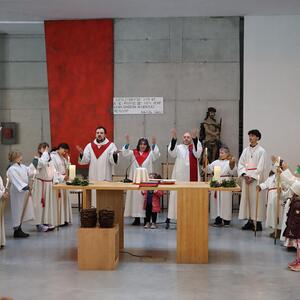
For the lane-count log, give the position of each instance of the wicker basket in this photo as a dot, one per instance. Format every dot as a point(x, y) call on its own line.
point(88, 217)
point(106, 218)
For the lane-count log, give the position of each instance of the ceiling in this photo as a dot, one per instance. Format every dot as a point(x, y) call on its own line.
point(40, 10)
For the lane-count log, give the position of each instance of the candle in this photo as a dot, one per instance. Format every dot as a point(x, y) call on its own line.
point(258, 177)
point(217, 173)
point(205, 151)
point(7, 183)
point(72, 172)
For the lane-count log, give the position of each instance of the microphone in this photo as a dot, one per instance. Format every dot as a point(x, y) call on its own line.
point(126, 179)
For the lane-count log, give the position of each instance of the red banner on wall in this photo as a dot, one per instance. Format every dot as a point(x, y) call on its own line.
point(80, 80)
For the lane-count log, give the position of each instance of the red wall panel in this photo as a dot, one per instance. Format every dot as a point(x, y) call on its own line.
point(80, 80)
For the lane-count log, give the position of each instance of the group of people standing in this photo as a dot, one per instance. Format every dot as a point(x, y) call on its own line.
point(33, 198)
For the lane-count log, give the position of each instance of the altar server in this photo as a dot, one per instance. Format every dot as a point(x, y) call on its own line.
point(101, 155)
point(59, 156)
point(251, 167)
point(44, 198)
point(143, 156)
point(20, 193)
point(221, 202)
point(186, 166)
point(3, 199)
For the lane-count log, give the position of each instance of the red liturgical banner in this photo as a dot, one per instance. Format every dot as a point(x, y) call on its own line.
point(80, 80)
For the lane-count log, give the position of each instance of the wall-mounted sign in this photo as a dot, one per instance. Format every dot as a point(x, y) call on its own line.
point(8, 133)
point(138, 105)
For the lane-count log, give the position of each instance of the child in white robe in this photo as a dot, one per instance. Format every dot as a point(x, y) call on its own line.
point(221, 202)
point(44, 198)
point(20, 193)
point(58, 156)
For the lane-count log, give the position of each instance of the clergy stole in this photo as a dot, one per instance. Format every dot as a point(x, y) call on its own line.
point(193, 165)
point(140, 158)
point(98, 151)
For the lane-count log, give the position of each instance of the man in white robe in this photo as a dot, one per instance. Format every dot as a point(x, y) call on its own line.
point(252, 166)
point(142, 157)
point(221, 202)
point(186, 167)
point(101, 155)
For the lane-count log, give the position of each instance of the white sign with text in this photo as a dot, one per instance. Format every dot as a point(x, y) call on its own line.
point(138, 105)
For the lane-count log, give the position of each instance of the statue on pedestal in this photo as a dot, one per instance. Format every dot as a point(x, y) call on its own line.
point(210, 132)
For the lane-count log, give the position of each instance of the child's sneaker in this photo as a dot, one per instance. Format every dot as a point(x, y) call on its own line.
point(42, 228)
point(153, 226)
point(147, 226)
point(296, 267)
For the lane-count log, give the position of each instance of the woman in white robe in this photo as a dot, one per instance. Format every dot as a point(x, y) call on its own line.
point(142, 157)
point(186, 166)
point(3, 199)
point(20, 193)
point(44, 197)
point(221, 202)
point(64, 210)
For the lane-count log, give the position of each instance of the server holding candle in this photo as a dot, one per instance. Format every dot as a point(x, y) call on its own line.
point(221, 202)
point(270, 186)
point(60, 159)
point(251, 164)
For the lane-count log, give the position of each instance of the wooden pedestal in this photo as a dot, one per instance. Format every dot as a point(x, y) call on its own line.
point(98, 248)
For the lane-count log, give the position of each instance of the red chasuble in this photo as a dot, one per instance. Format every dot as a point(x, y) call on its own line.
point(98, 151)
point(193, 165)
point(140, 158)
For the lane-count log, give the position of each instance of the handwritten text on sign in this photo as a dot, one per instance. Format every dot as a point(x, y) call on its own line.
point(138, 105)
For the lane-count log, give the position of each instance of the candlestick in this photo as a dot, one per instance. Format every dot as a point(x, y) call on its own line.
point(72, 172)
point(7, 183)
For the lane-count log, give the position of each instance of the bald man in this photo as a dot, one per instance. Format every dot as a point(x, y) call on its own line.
point(186, 166)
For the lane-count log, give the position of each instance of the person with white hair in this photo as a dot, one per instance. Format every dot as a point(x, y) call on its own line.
point(221, 202)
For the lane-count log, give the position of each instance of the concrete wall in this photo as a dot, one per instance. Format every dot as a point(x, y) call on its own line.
point(271, 93)
point(23, 92)
point(192, 62)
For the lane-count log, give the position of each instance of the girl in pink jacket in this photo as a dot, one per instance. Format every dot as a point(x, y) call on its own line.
point(152, 204)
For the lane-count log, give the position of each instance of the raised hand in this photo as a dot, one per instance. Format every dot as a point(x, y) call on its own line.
point(194, 133)
point(127, 138)
point(153, 140)
point(80, 150)
point(173, 133)
point(232, 162)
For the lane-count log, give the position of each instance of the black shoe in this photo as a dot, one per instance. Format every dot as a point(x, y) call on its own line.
point(291, 249)
point(258, 226)
point(249, 225)
point(18, 233)
point(218, 222)
point(226, 223)
point(136, 222)
point(167, 225)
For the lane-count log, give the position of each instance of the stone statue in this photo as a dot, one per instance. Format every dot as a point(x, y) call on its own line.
point(210, 132)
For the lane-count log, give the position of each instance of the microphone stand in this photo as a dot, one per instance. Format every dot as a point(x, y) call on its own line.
point(126, 179)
